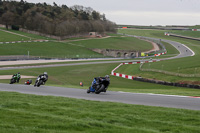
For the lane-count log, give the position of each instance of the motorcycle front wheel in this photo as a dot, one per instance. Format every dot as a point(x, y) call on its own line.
point(12, 81)
point(100, 89)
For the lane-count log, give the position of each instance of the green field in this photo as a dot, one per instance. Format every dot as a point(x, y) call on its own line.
point(74, 49)
point(22, 113)
point(8, 37)
point(47, 49)
point(121, 43)
point(32, 36)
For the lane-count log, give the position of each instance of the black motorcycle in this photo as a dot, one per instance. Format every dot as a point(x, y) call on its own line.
point(39, 81)
point(98, 86)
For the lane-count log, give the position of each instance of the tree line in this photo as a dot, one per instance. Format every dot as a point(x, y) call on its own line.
point(53, 19)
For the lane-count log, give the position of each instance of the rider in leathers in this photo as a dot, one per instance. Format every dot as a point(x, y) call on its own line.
point(43, 77)
point(101, 80)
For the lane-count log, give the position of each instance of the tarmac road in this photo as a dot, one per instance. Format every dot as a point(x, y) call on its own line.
point(182, 102)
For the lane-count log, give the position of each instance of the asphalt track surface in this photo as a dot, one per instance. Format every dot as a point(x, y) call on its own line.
point(182, 102)
point(171, 101)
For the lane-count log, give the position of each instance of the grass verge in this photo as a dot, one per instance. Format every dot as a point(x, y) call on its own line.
point(8, 37)
point(22, 113)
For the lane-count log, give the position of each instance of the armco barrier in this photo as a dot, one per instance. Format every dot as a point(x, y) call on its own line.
point(186, 37)
point(23, 41)
point(138, 78)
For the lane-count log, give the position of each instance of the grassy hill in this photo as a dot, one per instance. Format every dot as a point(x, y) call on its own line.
point(8, 37)
point(47, 49)
point(69, 48)
point(18, 33)
point(121, 43)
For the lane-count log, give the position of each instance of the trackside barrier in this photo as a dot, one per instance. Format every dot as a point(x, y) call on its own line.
point(138, 78)
point(195, 29)
point(186, 37)
point(23, 41)
point(159, 54)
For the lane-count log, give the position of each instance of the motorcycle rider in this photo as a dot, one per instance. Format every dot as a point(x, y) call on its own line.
point(100, 80)
point(18, 76)
point(43, 77)
point(99, 84)
point(106, 78)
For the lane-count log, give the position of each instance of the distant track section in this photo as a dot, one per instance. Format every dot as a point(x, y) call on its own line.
point(184, 52)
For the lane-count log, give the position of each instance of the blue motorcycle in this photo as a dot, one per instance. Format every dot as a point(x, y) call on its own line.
point(98, 85)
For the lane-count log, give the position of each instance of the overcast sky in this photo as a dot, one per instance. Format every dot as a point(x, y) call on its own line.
point(141, 12)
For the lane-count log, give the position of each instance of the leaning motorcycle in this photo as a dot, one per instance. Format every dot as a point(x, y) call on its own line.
point(38, 82)
point(13, 79)
point(98, 86)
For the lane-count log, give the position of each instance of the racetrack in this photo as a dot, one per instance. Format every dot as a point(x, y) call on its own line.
point(130, 98)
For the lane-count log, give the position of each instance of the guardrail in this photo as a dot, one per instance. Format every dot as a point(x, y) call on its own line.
point(186, 37)
point(23, 41)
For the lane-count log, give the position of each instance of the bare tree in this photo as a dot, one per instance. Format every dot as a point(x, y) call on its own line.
point(8, 18)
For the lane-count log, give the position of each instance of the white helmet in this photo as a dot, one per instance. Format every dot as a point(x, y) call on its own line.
point(45, 72)
point(107, 76)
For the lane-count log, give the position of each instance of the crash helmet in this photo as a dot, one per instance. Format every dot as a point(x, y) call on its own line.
point(107, 76)
point(18, 73)
point(45, 73)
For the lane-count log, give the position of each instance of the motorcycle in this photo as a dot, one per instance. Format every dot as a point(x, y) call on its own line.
point(13, 79)
point(38, 82)
point(98, 86)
